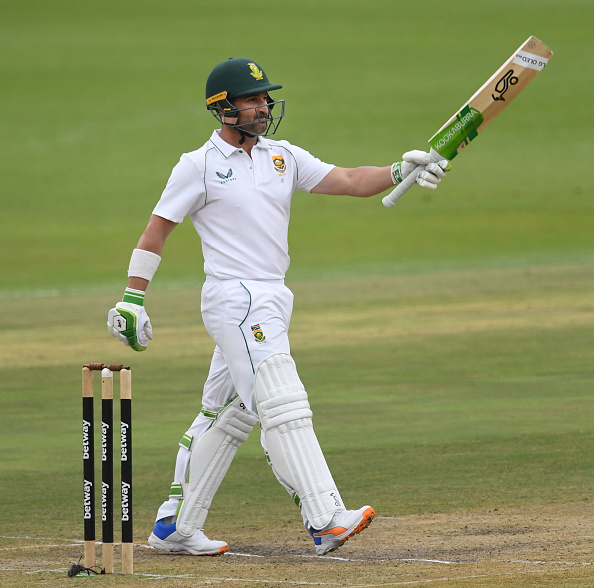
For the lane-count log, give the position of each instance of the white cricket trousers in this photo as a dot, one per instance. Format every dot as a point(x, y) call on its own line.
point(248, 320)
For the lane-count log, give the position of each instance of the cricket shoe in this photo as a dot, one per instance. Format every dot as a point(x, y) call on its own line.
point(166, 537)
point(343, 525)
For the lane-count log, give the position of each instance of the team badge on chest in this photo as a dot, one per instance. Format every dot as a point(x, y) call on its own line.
point(279, 164)
point(258, 334)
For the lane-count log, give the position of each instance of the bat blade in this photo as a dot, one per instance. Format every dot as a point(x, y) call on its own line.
point(491, 98)
point(484, 105)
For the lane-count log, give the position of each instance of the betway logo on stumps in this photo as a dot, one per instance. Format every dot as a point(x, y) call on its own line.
point(462, 130)
point(126, 509)
point(86, 440)
point(88, 499)
point(124, 431)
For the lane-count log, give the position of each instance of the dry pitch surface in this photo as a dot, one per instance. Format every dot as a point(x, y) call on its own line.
point(547, 546)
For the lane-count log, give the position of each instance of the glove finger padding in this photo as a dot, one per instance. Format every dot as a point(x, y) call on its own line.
point(428, 180)
point(428, 177)
point(417, 157)
point(436, 169)
point(130, 324)
point(148, 328)
point(433, 173)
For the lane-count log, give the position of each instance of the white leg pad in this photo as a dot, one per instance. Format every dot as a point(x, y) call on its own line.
point(292, 443)
point(211, 456)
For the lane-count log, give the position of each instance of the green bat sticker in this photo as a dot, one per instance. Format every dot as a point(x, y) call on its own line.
point(461, 131)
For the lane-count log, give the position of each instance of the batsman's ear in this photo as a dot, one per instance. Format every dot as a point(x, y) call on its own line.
point(223, 109)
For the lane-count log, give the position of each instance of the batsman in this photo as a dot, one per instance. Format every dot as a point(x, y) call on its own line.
point(237, 190)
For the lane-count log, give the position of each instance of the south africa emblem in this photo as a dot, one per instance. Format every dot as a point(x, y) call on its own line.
point(258, 334)
point(255, 71)
point(279, 164)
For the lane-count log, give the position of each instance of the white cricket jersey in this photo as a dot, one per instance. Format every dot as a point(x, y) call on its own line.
point(240, 205)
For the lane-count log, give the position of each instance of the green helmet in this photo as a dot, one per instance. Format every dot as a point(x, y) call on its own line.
point(236, 77)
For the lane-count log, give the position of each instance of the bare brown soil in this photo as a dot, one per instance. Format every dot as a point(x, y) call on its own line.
point(545, 546)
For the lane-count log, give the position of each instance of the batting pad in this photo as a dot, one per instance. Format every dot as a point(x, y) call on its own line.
point(210, 458)
point(292, 443)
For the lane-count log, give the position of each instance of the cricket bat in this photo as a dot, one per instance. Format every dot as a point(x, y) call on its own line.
point(486, 103)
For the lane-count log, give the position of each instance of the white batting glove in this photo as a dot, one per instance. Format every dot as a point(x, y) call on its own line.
point(129, 323)
point(429, 177)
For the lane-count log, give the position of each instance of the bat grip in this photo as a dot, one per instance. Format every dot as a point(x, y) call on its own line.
point(393, 197)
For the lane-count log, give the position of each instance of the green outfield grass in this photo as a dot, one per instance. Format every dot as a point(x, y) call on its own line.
point(101, 100)
point(446, 344)
point(463, 391)
point(452, 392)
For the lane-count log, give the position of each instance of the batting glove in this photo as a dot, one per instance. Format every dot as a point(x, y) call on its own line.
point(129, 323)
point(429, 177)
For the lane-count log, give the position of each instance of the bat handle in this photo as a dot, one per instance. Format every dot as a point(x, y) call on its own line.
point(408, 182)
point(393, 197)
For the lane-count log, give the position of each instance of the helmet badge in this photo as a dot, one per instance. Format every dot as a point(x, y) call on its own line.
point(256, 72)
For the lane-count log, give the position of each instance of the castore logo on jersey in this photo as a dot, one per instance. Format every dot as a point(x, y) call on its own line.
point(226, 177)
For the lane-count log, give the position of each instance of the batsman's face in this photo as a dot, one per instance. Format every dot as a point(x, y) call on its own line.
point(254, 113)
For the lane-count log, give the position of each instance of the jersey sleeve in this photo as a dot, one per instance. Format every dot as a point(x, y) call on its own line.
point(310, 170)
point(184, 192)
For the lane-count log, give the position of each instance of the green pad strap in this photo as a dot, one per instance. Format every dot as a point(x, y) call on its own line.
point(186, 441)
point(176, 490)
point(208, 413)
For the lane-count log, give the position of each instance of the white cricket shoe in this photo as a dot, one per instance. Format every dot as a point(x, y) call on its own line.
point(343, 525)
point(166, 537)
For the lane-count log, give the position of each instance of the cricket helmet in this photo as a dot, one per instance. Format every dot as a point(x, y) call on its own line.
point(236, 77)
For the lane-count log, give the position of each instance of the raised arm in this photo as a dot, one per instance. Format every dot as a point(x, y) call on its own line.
point(361, 181)
point(365, 181)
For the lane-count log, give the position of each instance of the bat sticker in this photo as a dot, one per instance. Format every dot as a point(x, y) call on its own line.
point(502, 86)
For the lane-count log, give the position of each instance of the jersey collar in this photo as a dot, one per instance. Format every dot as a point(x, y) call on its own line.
point(227, 150)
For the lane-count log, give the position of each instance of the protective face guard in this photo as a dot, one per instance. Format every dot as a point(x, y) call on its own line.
point(224, 108)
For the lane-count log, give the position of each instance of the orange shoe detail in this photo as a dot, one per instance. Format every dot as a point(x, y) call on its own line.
point(368, 516)
point(353, 522)
point(366, 520)
point(222, 550)
point(333, 531)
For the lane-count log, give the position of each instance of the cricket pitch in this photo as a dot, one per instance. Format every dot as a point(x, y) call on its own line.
point(544, 546)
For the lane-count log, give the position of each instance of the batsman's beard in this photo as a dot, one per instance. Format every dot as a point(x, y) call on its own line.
point(257, 125)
